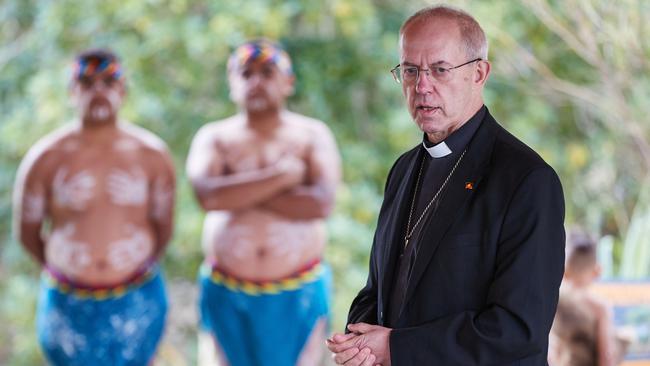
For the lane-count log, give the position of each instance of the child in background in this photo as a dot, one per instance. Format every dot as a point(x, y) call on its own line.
point(583, 331)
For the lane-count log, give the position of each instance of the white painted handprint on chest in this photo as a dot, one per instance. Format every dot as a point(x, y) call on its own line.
point(125, 187)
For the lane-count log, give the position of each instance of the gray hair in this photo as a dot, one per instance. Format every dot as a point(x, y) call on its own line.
point(476, 44)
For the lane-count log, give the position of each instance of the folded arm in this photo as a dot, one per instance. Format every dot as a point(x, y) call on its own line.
point(315, 199)
point(217, 190)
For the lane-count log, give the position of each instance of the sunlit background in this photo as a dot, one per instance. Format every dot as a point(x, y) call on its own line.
point(570, 78)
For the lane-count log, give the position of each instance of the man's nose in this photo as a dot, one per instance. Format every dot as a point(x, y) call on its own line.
point(255, 79)
point(99, 86)
point(423, 84)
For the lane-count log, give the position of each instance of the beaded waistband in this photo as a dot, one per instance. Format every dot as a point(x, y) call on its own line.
point(67, 286)
point(307, 274)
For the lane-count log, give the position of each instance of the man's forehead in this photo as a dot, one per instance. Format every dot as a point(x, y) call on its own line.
point(436, 40)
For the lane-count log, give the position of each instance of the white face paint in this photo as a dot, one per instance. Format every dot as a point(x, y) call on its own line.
point(63, 250)
point(161, 200)
point(127, 188)
point(100, 112)
point(286, 239)
point(76, 191)
point(130, 251)
point(33, 209)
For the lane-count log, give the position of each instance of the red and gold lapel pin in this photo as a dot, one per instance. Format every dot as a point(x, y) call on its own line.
point(469, 186)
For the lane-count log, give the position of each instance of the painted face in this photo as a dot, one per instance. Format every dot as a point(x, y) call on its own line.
point(97, 90)
point(260, 77)
point(438, 107)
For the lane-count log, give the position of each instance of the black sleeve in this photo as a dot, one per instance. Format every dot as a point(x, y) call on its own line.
point(523, 293)
point(364, 305)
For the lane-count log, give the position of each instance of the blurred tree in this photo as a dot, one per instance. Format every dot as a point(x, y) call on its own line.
point(570, 78)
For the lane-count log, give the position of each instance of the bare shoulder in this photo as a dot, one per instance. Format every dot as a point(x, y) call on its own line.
point(313, 126)
point(219, 130)
point(136, 136)
point(599, 305)
point(49, 147)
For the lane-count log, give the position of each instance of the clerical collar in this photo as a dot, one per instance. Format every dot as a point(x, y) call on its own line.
point(439, 150)
point(458, 139)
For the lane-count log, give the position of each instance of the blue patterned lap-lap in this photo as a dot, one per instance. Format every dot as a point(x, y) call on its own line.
point(263, 324)
point(121, 326)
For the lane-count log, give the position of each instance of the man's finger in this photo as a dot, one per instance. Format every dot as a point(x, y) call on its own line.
point(360, 327)
point(350, 342)
point(342, 357)
point(359, 358)
point(370, 360)
point(340, 338)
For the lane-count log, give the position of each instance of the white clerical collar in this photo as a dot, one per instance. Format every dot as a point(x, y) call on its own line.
point(437, 151)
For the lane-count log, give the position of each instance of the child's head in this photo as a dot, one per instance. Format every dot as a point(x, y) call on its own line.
point(582, 266)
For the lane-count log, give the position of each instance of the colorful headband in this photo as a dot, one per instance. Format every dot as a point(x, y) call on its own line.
point(95, 65)
point(263, 52)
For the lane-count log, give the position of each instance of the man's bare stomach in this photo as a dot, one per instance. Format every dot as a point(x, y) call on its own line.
point(97, 252)
point(259, 245)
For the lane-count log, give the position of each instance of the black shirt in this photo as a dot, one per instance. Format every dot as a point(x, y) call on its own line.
point(434, 172)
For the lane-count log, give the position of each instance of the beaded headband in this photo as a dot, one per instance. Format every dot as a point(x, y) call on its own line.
point(94, 65)
point(262, 52)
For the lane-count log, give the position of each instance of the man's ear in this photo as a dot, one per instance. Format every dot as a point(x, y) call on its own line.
point(123, 87)
point(482, 72)
point(291, 88)
point(73, 92)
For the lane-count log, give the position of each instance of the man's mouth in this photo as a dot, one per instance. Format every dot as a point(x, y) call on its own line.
point(426, 108)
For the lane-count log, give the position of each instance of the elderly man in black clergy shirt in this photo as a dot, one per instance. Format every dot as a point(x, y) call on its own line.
point(468, 253)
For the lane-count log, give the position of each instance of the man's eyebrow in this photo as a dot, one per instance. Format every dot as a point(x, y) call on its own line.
point(440, 62)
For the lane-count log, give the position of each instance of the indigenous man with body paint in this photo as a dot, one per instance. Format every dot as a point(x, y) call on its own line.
point(94, 206)
point(266, 178)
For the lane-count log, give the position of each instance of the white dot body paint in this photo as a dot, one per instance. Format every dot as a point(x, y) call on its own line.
point(69, 146)
point(242, 235)
point(76, 191)
point(245, 164)
point(272, 154)
point(63, 250)
point(127, 188)
point(287, 238)
point(63, 334)
point(125, 144)
point(162, 199)
point(33, 209)
point(129, 251)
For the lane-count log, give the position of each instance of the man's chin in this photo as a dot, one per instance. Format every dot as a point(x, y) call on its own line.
point(257, 105)
point(428, 125)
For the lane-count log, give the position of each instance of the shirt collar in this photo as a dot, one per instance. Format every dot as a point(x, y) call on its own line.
point(458, 139)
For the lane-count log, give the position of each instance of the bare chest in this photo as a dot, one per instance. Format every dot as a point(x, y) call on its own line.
point(88, 178)
point(251, 151)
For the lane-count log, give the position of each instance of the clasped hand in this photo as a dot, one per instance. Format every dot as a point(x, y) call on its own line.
point(366, 345)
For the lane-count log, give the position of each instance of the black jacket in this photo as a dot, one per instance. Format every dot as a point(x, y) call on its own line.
point(484, 285)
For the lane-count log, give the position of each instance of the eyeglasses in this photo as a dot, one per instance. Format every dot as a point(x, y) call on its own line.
point(408, 74)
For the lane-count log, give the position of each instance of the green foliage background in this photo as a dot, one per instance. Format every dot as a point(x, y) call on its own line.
point(570, 78)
